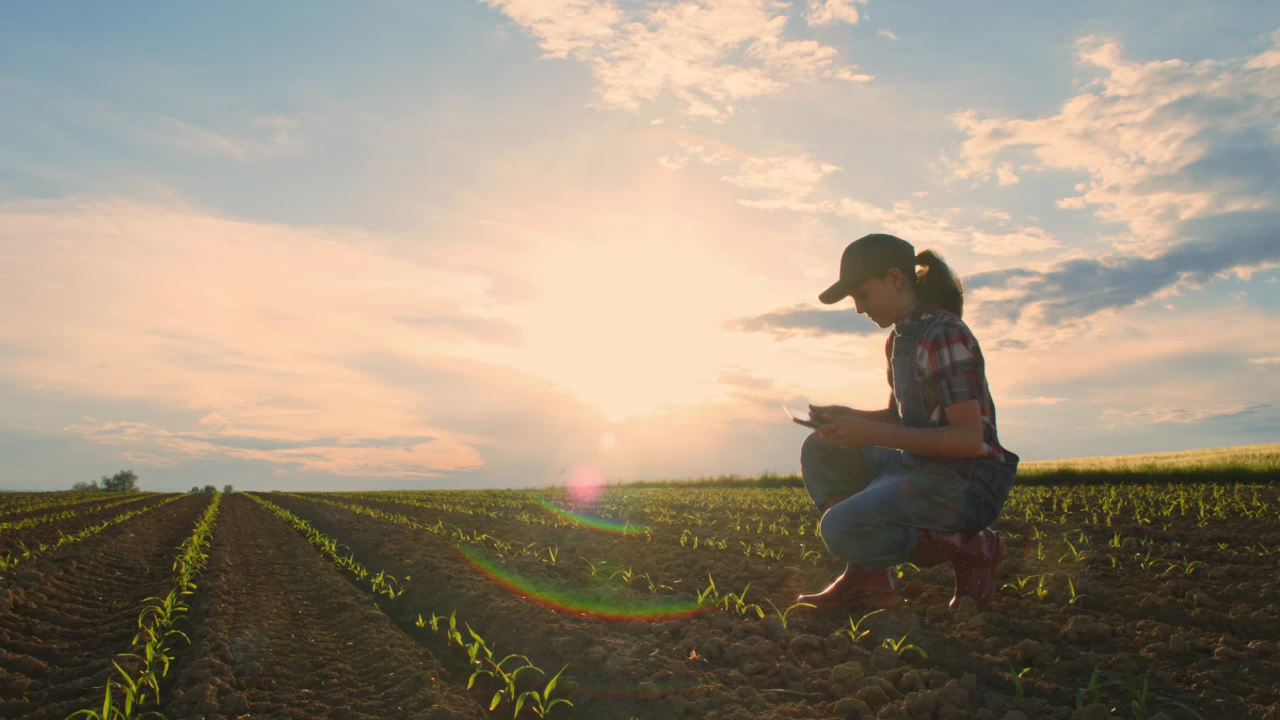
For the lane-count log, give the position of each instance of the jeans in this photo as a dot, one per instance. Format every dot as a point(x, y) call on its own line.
point(890, 495)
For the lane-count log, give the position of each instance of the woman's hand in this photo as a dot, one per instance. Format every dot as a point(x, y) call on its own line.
point(827, 413)
point(849, 431)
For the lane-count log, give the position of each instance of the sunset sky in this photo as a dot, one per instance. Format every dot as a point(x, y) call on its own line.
point(513, 243)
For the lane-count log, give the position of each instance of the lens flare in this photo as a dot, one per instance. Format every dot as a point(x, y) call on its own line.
point(592, 523)
point(567, 601)
point(586, 484)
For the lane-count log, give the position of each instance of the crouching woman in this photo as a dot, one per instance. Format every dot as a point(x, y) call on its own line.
point(922, 480)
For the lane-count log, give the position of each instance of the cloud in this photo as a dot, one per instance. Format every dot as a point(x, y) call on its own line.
point(826, 12)
point(1163, 415)
point(884, 32)
point(1160, 143)
point(787, 323)
point(400, 458)
point(466, 327)
point(1033, 401)
point(564, 28)
point(1274, 360)
point(787, 181)
point(707, 54)
point(1077, 288)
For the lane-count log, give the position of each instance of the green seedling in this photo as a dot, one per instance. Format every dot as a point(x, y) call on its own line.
point(853, 631)
point(709, 592)
point(782, 614)
point(1017, 679)
point(1019, 585)
point(1092, 693)
point(1071, 587)
point(899, 647)
point(542, 702)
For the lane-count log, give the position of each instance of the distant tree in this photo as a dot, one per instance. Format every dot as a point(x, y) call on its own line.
point(210, 489)
point(195, 488)
point(83, 486)
point(125, 481)
point(228, 489)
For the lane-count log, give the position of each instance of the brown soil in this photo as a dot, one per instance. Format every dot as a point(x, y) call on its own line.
point(11, 540)
point(64, 616)
point(1205, 639)
point(279, 633)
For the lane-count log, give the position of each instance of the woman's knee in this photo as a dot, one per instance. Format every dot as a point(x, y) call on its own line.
point(809, 450)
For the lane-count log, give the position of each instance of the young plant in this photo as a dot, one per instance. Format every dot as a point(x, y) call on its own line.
point(782, 614)
point(898, 646)
point(1017, 679)
point(853, 632)
point(542, 702)
point(1092, 693)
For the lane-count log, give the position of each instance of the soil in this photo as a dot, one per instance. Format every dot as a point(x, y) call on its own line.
point(65, 615)
point(279, 634)
point(1204, 638)
point(11, 541)
point(1183, 602)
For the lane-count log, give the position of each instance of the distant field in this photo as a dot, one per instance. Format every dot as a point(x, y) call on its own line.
point(1242, 463)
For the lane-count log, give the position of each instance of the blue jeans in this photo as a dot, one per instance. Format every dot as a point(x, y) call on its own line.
point(890, 495)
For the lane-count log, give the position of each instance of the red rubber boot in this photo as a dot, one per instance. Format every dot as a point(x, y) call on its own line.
point(856, 587)
point(973, 556)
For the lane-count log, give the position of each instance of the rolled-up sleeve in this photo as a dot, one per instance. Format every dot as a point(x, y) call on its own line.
point(953, 360)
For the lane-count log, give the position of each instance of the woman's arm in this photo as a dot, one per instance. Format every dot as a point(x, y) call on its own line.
point(961, 438)
point(826, 413)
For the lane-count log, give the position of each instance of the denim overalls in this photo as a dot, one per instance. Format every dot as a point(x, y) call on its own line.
point(891, 492)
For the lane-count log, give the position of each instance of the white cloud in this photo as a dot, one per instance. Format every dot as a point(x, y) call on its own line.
point(826, 12)
point(564, 28)
point(1179, 415)
point(788, 181)
point(708, 54)
point(1273, 360)
point(1161, 142)
point(884, 32)
point(1033, 401)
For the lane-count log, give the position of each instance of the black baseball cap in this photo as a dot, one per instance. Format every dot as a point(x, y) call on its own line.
point(869, 256)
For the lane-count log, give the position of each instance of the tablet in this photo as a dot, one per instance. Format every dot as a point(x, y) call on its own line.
point(802, 420)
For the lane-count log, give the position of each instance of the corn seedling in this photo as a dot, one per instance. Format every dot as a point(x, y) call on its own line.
point(1017, 679)
point(854, 634)
point(1075, 555)
point(899, 647)
point(709, 592)
point(542, 702)
point(782, 614)
point(1092, 693)
point(1139, 702)
point(1071, 587)
point(1019, 585)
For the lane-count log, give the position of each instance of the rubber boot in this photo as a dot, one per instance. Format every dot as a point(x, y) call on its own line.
point(856, 587)
point(973, 556)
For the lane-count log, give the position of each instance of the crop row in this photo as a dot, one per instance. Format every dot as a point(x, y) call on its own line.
point(380, 583)
point(480, 654)
point(41, 501)
point(64, 514)
point(148, 658)
point(9, 561)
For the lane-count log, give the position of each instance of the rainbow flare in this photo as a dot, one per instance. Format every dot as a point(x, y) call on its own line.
point(592, 523)
point(567, 601)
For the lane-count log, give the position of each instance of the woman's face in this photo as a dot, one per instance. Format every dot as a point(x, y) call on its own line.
point(879, 299)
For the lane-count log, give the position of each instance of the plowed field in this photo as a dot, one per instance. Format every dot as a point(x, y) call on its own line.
point(661, 604)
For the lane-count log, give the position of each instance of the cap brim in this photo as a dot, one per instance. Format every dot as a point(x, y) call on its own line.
point(835, 293)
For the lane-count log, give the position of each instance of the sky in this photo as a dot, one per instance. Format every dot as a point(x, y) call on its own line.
point(514, 243)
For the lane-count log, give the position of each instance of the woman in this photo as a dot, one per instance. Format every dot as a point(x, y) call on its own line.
point(920, 481)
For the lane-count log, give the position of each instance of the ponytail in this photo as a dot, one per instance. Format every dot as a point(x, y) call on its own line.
point(937, 284)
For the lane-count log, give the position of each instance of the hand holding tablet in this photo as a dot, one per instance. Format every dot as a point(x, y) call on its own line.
point(807, 422)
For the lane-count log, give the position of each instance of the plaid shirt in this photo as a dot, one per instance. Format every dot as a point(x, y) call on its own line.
point(950, 369)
